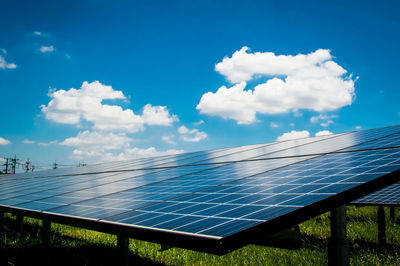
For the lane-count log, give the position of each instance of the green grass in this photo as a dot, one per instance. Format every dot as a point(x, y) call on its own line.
point(74, 246)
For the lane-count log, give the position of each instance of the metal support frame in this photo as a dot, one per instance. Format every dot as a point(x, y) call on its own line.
point(123, 249)
point(392, 213)
point(338, 249)
point(381, 225)
point(20, 224)
point(45, 232)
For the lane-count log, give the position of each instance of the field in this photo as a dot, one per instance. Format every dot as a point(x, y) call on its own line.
point(74, 246)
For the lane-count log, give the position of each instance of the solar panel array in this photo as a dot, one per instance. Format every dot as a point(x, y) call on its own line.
point(389, 196)
point(220, 196)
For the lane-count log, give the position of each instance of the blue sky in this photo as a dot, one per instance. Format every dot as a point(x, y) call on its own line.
point(147, 75)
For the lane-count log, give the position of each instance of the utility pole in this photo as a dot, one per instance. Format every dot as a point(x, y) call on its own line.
point(14, 163)
point(6, 165)
point(27, 165)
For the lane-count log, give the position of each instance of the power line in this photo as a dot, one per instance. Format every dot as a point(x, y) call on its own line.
point(11, 164)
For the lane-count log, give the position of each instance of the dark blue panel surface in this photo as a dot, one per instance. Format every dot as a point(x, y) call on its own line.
point(387, 196)
point(215, 193)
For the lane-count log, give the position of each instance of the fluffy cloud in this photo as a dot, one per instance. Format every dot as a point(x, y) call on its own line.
point(273, 124)
point(149, 152)
point(325, 120)
point(107, 146)
point(5, 65)
point(293, 135)
point(199, 123)
point(38, 33)
point(4, 141)
point(99, 140)
point(109, 124)
point(301, 134)
point(53, 142)
point(323, 133)
point(47, 49)
point(27, 141)
point(193, 135)
point(158, 115)
point(305, 81)
point(168, 139)
point(85, 104)
point(96, 156)
point(183, 130)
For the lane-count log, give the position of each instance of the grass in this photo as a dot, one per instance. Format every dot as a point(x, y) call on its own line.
point(75, 246)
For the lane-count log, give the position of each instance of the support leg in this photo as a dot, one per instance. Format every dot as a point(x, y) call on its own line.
point(338, 249)
point(381, 226)
point(20, 224)
point(46, 231)
point(123, 249)
point(392, 214)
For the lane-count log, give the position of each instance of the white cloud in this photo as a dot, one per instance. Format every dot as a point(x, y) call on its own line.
point(301, 134)
point(4, 51)
point(27, 141)
point(305, 81)
point(149, 152)
point(327, 123)
point(96, 156)
point(47, 49)
point(53, 142)
point(358, 127)
point(198, 123)
point(293, 135)
point(38, 33)
point(234, 103)
point(168, 139)
point(98, 140)
point(193, 135)
point(96, 147)
point(183, 130)
point(296, 113)
point(158, 115)
point(5, 65)
point(273, 124)
point(325, 120)
point(4, 141)
point(85, 104)
point(291, 124)
point(315, 119)
point(323, 133)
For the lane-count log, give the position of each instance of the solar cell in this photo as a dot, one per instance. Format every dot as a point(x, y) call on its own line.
point(222, 198)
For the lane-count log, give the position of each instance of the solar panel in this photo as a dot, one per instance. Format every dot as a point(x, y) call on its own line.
point(389, 196)
point(216, 200)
